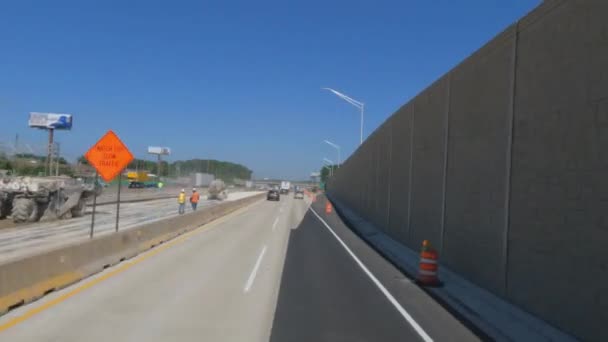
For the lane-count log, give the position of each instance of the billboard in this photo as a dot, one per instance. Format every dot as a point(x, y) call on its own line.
point(50, 120)
point(159, 150)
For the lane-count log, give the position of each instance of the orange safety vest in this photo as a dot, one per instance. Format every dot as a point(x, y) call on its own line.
point(182, 198)
point(194, 198)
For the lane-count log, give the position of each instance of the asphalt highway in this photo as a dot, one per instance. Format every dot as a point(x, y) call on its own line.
point(271, 271)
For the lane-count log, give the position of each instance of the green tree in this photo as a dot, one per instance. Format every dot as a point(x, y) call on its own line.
point(82, 160)
point(5, 164)
point(325, 172)
point(220, 169)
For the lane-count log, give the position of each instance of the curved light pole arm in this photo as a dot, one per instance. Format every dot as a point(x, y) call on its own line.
point(353, 102)
point(346, 98)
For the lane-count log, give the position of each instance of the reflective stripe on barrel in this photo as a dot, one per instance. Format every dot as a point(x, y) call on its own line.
point(427, 273)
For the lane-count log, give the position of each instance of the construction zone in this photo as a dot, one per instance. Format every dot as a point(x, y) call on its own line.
point(32, 199)
point(217, 190)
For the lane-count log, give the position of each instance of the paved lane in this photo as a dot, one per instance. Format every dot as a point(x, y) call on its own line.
point(214, 284)
point(336, 288)
point(271, 271)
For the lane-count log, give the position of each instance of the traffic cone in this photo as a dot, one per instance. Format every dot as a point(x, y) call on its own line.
point(427, 272)
point(328, 207)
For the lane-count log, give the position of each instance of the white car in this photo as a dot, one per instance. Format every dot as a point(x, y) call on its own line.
point(299, 194)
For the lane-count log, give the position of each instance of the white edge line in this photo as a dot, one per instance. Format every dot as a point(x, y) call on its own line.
point(274, 225)
point(383, 289)
point(254, 271)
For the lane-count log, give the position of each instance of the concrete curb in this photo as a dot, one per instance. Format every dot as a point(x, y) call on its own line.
point(26, 279)
point(495, 317)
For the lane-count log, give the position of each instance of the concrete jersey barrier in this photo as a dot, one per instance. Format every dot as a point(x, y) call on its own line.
point(24, 280)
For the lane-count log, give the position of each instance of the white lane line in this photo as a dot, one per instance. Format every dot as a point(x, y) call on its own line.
point(383, 289)
point(254, 271)
point(274, 225)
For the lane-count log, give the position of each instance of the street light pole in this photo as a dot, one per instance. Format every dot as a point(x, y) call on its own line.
point(361, 132)
point(331, 164)
point(337, 147)
point(355, 103)
point(330, 170)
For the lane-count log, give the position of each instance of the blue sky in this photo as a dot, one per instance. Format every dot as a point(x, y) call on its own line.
point(230, 80)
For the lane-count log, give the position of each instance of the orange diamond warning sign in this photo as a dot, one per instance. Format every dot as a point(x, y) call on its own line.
point(109, 156)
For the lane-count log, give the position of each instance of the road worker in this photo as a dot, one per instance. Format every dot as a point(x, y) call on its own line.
point(181, 200)
point(194, 199)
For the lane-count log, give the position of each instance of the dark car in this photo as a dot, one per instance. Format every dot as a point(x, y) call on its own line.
point(273, 195)
point(137, 185)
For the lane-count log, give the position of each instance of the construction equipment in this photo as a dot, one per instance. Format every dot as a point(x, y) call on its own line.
point(217, 190)
point(138, 176)
point(31, 199)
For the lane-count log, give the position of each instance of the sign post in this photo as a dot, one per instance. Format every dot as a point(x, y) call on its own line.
point(118, 200)
point(109, 156)
point(94, 206)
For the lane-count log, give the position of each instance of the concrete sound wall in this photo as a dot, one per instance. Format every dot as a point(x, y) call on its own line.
point(503, 165)
point(401, 156)
point(429, 119)
point(558, 232)
point(480, 116)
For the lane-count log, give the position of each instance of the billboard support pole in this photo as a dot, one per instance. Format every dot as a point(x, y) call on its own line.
point(118, 200)
point(94, 204)
point(49, 157)
point(50, 122)
point(57, 159)
point(158, 168)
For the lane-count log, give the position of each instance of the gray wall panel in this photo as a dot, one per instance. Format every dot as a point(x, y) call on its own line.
point(559, 202)
point(383, 169)
point(400, 173)
point(479, 129)
point(427, 181)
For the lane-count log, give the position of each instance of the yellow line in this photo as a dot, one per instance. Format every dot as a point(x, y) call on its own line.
point(146, 255)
